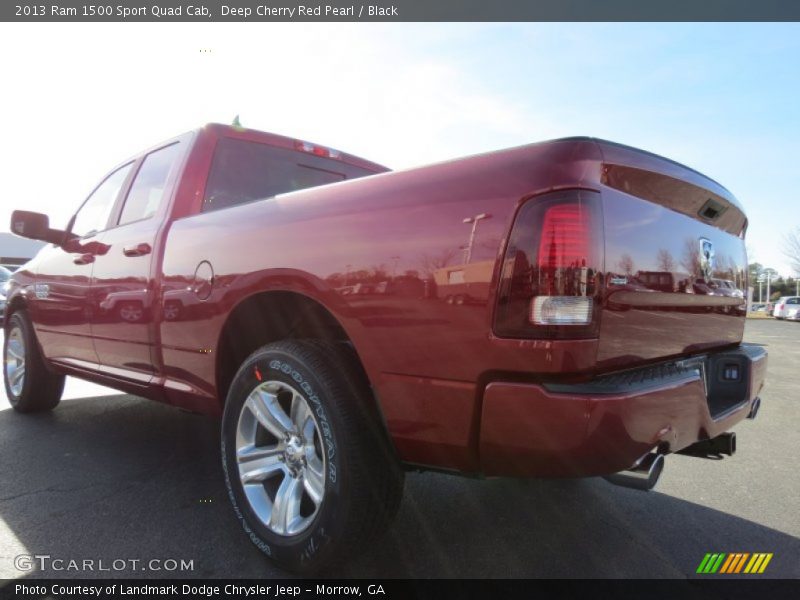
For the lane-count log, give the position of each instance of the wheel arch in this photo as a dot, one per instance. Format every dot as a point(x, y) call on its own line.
point(272, 315)
point(16, 304)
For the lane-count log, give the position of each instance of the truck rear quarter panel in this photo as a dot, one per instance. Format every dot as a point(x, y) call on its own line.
point(424, 356)
point(386, 255)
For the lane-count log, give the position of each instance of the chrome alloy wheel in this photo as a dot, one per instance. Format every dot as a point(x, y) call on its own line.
point(131, 313)
point(280, 458)
point(15, 361)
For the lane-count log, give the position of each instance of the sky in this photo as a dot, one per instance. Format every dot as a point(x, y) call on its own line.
point(77, 99)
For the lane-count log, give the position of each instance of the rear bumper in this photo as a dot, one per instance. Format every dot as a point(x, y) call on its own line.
point(606, 425)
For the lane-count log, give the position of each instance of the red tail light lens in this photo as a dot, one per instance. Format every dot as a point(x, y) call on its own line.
point(548, 288)
point(565, 236)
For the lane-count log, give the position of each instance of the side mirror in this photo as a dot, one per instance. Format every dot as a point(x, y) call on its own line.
point(35, 226)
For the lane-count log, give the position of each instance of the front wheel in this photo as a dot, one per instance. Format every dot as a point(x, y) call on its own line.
point(30, 386)
point(309, 469)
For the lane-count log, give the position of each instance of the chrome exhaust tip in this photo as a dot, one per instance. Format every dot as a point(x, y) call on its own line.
point(643, 475)
point(754, 408)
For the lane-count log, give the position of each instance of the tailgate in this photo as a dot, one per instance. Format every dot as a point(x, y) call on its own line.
point(675, 260)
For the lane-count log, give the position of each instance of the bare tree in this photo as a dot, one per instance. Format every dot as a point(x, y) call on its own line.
point(378, 273)
point(665, 260)
point(430, 263)
point(691, 257)
point(625, 264)
point(791, 248)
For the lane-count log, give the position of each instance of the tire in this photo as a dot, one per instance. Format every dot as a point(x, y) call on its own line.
point(30, 385)
point(314, 496)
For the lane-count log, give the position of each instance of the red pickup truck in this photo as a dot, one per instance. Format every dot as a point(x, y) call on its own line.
point(498, 315)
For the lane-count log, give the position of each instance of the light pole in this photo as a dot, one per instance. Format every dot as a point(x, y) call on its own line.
point(769, 280)
point(474, 221)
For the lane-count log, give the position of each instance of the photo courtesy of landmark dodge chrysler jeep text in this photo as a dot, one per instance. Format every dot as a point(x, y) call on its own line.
point(571, 308)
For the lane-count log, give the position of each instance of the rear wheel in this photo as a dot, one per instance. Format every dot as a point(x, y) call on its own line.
point(30, 386)
point(309, 469)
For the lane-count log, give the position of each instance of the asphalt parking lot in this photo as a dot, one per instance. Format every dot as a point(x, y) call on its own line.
point(118, 477)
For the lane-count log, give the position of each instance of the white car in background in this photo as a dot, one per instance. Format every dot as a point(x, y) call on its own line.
point(784, 305)
point(793, 314)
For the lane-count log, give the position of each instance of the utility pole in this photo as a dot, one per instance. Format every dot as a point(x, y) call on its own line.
point(474, 220)
point(769, 279)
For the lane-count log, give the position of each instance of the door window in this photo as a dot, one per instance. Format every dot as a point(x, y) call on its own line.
point(93, 214)
point(147, 191)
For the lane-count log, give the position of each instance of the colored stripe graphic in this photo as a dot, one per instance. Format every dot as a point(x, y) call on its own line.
point(734, 563)
point(741, 562)
point(715, 566)
point(712, 558)
point(727, 564)
point(703, 563)
point(730, 565)
point(754, 563)
point(764, 564)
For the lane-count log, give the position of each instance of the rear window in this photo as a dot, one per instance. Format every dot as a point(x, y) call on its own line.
point(244, 171)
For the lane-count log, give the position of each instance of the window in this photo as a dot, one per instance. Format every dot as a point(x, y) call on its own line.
point(93, 214)
point(147, 190)
point(244, 171)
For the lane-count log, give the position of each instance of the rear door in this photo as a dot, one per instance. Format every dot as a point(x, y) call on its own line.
point(123, 286)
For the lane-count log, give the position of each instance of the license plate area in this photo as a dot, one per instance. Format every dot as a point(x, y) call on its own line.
point(727, 382)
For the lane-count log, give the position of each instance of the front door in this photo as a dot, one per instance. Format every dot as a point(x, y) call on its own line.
point(63, 305)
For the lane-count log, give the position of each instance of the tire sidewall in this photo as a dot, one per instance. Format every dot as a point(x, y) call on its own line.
point(312, 546)
point(19, 322)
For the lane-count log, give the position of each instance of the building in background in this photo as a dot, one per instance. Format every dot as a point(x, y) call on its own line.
point(16, 251)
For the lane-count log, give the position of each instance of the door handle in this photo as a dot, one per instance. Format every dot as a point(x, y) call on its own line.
point(84, 259)
point(137, 250)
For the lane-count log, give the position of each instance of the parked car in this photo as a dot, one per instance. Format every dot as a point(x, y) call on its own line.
point(784, 305)
point(5, 276)
point(758, 307)
point(793, 314)
point(242, 251)
point(725, 287)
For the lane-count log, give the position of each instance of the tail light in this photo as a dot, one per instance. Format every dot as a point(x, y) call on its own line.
point(548, 285)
